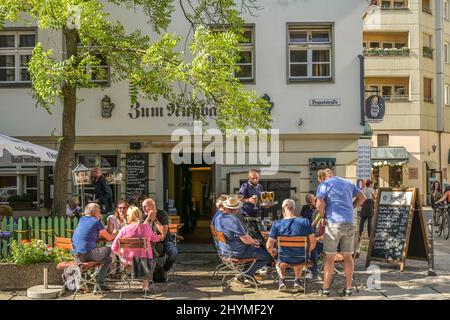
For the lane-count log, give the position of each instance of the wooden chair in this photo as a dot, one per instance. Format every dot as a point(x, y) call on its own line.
point(295, 242)
point(173, 229)
point(126, 269)
point(77, 275)
point(236, 266)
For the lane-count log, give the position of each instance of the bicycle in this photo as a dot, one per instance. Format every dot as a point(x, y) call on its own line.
point(442, 221)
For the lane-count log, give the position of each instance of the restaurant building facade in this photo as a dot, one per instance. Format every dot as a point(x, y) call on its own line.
point(302, 57)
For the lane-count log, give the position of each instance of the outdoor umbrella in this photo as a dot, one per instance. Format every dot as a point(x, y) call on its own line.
point(14, 147)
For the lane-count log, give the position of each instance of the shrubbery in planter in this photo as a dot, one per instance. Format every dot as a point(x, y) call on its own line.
point(36, 251)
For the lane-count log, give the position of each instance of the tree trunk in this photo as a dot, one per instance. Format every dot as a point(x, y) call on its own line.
point(65, 152)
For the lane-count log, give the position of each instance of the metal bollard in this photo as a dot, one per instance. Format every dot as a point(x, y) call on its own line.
point(431, 271)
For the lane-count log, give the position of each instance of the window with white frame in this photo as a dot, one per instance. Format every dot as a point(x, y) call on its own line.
point(99, 73)
point(426, 6)
point(15, 52)
point(310, 52)
point(394, 4)
point(8, 187)
point(396, 92)
point(106, 161)
point(246, 63)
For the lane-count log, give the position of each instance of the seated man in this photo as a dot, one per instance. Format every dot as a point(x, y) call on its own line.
point(158, 220)
point(290, 226)
point(84, 242)
point(239, 244)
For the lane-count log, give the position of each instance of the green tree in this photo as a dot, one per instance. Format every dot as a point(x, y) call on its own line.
point(152, 65)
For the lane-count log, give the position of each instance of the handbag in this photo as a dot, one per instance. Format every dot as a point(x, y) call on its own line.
point(141, 268)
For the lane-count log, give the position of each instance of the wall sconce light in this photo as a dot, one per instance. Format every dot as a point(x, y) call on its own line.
point(300, 122)
point(434, 147)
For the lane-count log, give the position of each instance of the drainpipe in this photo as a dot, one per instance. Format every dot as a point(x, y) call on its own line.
point(439, 78)
point(361, 88)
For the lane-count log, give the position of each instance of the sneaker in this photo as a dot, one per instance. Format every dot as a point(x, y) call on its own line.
point(251, 282)
point(281, 285)
point(324, 293)
point(239, 279)
point(309, 275)
point(264, 270)
point(347, 292)
point(298, 285)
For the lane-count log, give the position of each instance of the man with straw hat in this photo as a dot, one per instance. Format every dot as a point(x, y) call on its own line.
point(239, 244)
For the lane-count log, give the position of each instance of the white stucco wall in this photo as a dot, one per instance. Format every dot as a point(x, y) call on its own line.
point(21, 118)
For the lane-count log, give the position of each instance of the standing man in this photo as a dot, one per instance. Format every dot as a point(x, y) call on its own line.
point(250, 193)
point(84, 241)
point(103, 192)
point(158, 220)
point(335, 204)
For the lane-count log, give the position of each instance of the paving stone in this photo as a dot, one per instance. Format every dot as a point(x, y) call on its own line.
point(424, 293)
point(5, 296)
point(272, 294)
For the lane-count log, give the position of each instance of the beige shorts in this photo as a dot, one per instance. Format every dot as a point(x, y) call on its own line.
point(339, 234)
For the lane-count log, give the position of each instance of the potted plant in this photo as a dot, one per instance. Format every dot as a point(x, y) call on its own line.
point(25, 263)
point(21, 202)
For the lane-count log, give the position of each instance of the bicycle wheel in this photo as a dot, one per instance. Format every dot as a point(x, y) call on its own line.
point(440, 220)
point(446, 227)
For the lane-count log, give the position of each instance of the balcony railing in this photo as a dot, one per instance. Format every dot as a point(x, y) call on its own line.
point(394, 7)
point(428, 52)
point(392, 98)
point(396, 98)
point(378, 52)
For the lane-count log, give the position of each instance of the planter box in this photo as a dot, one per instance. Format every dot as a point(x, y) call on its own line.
point(21, 205)
point(17, 277)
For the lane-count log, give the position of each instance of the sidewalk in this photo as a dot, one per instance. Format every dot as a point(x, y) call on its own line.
point(191, 280)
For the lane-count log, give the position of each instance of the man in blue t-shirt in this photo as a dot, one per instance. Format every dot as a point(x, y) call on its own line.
point(291, 226)
point(335, 204)
point(84, 242)
point(238, 243)
point(250, 194)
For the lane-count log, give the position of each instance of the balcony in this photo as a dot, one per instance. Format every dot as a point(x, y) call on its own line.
point(378, 52)
point(393, 5)
point(396, 98)
point(428, 52)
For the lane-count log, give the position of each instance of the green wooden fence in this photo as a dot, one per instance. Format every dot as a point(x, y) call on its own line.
point(43, 228)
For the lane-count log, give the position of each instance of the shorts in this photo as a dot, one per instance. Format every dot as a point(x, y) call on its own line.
point(339, 234)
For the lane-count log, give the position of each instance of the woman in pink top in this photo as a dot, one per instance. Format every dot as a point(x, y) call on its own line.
point(135, 229)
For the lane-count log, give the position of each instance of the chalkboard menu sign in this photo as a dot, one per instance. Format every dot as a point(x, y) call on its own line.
point(136, 173)
point(399, 230)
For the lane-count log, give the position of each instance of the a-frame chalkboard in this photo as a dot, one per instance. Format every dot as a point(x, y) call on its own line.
point(399, 231)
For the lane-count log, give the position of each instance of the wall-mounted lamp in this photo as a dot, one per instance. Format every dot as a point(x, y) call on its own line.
point(300, 122)
point(434, 147)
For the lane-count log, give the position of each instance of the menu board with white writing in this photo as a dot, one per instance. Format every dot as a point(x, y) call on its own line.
point(390, 232)
point(136, 173)
point(399, 231)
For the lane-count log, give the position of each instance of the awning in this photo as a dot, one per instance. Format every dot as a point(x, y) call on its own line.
point(389, 155)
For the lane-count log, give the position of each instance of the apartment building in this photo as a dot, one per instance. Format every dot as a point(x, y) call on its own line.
point(411, 145)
